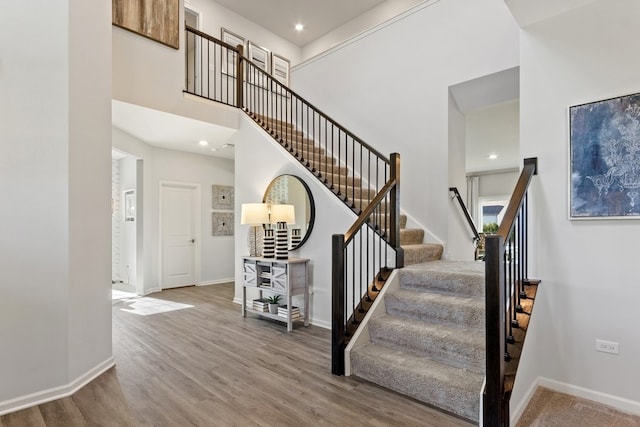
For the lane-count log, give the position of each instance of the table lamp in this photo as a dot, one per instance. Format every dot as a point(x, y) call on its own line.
point(254, 214)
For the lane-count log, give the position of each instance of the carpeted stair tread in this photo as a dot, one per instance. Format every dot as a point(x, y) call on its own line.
point(437, 308)
point(411, 236)
point(454, 277)
point(356, 193)
point(424, 252)
point(336, 179)
point(459, 347)
point(384, 220)
point(425, 379)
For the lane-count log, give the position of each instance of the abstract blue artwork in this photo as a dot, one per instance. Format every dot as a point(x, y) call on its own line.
point(605, 159)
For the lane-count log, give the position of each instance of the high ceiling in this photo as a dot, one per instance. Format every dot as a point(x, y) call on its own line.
point(318, 16)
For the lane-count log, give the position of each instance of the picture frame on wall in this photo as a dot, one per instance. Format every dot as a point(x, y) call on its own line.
point(260, 56)
point(222, 197)
point(229, 60)
point(222, 224)
point(157, 20)
point(129, 212)
point(280, 68)
point(604, 157)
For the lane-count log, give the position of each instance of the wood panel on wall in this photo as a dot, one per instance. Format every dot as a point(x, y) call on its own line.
point(154, 19)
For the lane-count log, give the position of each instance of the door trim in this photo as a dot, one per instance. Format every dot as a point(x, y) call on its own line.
point(197, 247)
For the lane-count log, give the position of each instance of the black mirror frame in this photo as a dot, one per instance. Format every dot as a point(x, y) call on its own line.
point(312, 217)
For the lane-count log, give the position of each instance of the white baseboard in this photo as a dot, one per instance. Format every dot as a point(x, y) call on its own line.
point(517, 412)
point(152, 290)
point(215, 282)
point(55, 393)
point(320, 323)
point(619, 403)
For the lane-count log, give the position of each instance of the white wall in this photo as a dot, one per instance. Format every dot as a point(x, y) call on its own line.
point(499, 183)
point(258, 161)
point(384, 11)
point(167, 165)
point(589, 272)
point(493, 129)
point(391, 89)
point(55, 319)
point(460, 236)
point(217, 251)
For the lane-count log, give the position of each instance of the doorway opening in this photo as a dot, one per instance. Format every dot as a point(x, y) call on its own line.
point(192, 19)
point(126, 222)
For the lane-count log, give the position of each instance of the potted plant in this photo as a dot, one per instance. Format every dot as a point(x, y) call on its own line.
point(273, 301)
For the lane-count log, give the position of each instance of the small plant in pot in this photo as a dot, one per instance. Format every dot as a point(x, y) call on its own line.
point(273, 301)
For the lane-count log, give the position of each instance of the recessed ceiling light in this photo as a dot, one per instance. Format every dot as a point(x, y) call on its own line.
point(227, 145)
point(214, 149)
point(493, 156)
point(299, 27)
point(203, 143)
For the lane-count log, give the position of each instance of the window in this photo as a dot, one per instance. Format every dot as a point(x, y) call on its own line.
point(490, 213)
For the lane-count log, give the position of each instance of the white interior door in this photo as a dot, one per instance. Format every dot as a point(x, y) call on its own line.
point(178, 234)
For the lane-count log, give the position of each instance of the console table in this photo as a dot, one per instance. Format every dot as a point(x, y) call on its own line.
point(286, 277)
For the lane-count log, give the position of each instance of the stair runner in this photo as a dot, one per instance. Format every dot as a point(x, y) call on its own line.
point(346, 188)
point(430, 343)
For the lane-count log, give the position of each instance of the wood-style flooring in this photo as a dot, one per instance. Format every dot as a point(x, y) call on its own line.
point(207, 366)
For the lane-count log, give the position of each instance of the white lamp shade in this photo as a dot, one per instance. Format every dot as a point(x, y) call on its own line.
point(254, 213)
point(283, 213)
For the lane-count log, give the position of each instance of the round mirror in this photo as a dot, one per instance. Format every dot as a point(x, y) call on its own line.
point(291, 190)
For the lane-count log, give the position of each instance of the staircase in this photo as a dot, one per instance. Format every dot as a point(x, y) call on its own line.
point(424, 334)
point(428, 341)
point(348, 188)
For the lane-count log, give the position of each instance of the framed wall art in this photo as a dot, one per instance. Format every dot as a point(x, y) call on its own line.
point(129, 212)
point(155, 19)
point(229, 61)
point(222, 223)
point(604, 156)
point(222, 197)
point(280, 68)
point(259, 56)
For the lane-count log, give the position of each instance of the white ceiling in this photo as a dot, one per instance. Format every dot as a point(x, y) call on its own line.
point(318, 16)
point(170, 131)
point(475, 96)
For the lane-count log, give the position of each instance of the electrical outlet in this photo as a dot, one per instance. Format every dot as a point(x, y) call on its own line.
point(607, 347)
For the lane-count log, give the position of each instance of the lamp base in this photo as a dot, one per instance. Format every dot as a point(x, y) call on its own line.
point(282, 241)
point(269, 248)
point(255, 240)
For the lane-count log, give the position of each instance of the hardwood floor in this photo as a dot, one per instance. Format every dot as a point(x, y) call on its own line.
point(207, 366)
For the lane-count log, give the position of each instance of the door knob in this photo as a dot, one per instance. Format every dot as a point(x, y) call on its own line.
point(193, 240)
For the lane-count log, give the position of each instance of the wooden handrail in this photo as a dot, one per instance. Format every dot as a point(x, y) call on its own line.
point(366, 213)
point(529, 169)
point(211, 38)
point(506, 255)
